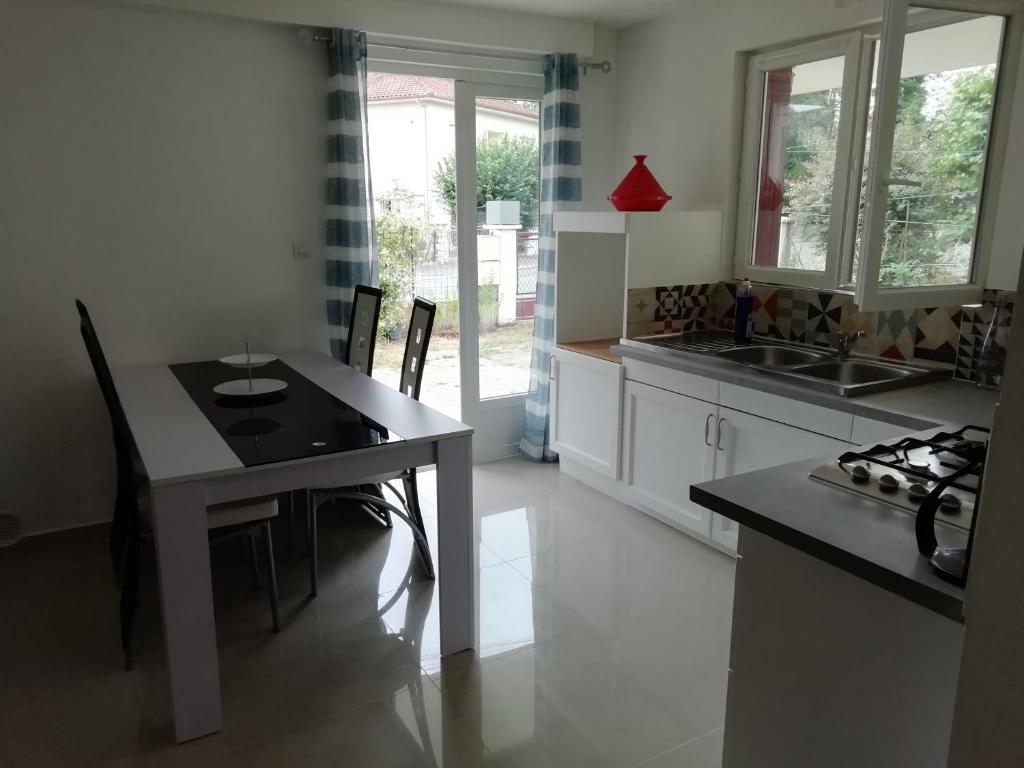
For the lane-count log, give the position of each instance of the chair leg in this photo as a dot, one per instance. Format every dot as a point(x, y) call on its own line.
point(381, 513)
point(291, 521)
point(254, 560)
point(307, 494)
point(268, 544)
point(311, 537)
point(412, 500)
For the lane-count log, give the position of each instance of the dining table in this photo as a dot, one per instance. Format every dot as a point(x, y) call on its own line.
point(330, 427)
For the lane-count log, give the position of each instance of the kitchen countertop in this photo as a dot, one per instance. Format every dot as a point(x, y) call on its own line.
point(866, 538)
point(920, 407)
point(600, 348)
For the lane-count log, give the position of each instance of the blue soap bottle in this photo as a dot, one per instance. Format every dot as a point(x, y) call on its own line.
point(744, 326)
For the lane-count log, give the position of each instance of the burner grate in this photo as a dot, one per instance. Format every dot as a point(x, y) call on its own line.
point(897, 456)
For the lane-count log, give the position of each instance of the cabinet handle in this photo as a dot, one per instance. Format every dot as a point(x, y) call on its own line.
point(551, 367)
point(707, 430)
point(718, 434)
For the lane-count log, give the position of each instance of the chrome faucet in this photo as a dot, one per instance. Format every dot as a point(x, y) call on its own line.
point(844, 342)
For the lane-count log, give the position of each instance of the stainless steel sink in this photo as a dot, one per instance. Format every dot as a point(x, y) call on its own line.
point(854, 377)
point(814, 368)
point(766, 356)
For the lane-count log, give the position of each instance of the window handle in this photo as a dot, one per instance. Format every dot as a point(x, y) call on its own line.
point(551, 367)
point(718, 434)
point(707, 430)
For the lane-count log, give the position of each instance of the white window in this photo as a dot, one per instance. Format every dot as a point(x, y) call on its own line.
point(866, 156)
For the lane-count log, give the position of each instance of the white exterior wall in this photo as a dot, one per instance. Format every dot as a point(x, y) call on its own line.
point(408, 139)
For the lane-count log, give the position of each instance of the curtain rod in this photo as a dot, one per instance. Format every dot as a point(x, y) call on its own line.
point(604, 66)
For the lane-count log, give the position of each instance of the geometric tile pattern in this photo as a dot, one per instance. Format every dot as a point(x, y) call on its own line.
point(668, 308)
point(946, 335)
point(894, 334)
point(936, 333)
point(975, 320)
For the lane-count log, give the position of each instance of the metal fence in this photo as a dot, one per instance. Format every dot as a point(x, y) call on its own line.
point(435, 272)
point(527, 249)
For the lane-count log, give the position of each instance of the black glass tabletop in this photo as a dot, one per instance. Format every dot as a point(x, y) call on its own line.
point(299, 421)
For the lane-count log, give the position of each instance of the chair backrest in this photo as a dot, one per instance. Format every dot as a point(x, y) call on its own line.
point(118, 422)
point(421, 324)
point(362, 328)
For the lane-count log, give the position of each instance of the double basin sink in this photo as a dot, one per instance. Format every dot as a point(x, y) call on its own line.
point(816, 369)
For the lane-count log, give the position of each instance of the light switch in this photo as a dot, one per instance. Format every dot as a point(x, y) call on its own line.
point(300, 249)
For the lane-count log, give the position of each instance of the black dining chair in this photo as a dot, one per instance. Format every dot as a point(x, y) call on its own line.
point(421, 325)
point(128, 531)
point(362, 328)
point(359, 349)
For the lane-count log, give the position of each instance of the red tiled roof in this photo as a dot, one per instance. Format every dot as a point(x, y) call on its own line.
point(384, 86)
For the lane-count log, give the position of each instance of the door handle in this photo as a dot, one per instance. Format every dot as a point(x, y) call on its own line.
point(707, 430)
point(718, 434)
point(551, 367)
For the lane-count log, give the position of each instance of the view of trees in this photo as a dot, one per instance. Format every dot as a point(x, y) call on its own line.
point(399, 243)
point(506, 169)
point(942, 127)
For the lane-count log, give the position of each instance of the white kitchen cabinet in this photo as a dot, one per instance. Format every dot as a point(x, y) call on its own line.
point(586, 398)
point(745, 443)
point(667, 446)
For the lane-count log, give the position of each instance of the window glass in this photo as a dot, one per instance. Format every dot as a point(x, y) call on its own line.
point(943, 120)
point(796, 173)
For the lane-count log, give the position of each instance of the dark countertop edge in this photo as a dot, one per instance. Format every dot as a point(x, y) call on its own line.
point(730, 373)
point(947, 605)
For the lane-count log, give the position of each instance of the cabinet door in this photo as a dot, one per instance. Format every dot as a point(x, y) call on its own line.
point(745, 443)
point(667, 448)
point(586, 401)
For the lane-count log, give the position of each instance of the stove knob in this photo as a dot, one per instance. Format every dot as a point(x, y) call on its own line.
point(888, 484)
point(860, 475)
point(949, 503)
point(917, 492)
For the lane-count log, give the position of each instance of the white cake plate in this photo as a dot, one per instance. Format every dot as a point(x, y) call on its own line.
point(250, 388)
point(254, 360)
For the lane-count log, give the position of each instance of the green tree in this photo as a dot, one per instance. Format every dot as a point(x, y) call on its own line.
point(399, 243)
point(942, 125)
point(506, 169)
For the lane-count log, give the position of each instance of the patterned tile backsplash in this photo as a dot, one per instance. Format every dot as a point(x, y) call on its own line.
point(949, 335)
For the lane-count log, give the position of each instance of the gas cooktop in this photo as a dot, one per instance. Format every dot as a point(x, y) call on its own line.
point(903, 472)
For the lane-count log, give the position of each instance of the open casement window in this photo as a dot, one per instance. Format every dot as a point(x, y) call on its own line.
point(869, 160)
point(937, 131)
point(800, 151)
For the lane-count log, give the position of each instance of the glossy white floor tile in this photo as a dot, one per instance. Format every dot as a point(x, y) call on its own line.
point(603, 641)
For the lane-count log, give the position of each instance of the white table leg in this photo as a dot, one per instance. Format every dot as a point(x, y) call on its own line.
point(457, 537)
point(186, 596)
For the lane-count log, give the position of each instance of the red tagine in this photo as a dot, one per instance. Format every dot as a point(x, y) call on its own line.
point(639, 190)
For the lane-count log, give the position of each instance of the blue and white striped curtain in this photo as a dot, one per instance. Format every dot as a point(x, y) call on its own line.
point(561, 188)
point(351, 239)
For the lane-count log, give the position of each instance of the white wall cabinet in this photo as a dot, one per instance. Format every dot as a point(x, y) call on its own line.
point(586, 402)
point(745, 443)
point(667, 447)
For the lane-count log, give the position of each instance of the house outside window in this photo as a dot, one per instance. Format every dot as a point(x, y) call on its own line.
point(866, 156)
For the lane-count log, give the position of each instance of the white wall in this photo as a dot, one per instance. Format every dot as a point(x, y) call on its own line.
point(430, 21)
point(157, 165)
point(677, 79)
point(990, 698)
point(603, 166)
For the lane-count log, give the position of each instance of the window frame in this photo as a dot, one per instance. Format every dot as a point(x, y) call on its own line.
point(849, 47)
point(897, 22)
point(859, 47)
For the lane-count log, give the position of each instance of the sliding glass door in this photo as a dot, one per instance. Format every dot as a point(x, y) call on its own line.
point(497, 138)
point(456, 179)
